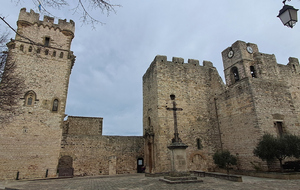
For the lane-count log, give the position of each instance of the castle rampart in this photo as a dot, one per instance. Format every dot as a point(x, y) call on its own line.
point(179, 60)
point(32, 18)
point(94, 154)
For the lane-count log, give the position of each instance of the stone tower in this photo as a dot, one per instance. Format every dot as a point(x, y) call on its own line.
point(194, 87)
point(262, 96)
point(30, 142)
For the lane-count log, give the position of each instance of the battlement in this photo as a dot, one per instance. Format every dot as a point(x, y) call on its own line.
point(179, 60)
point(293, 60)
point(32, 18)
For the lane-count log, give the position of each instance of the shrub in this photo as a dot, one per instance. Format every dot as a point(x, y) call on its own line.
point(223, 159)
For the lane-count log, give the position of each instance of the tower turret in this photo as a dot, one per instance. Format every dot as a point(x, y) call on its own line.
point(238, 61)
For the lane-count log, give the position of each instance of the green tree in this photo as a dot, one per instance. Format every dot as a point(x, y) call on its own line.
point(223, 159)
point(270, 148)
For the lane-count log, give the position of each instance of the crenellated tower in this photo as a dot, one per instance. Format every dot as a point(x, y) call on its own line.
point(43, 61)
point(262, 96)
point(238, 61)
point(194, 87)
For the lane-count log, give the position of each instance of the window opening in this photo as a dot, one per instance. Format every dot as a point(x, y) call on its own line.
point(47, 41)
point(149, 121)
point(54, 53)
point(30, 49)
point(29, 98)
point(38, 50)
point(21, 47)
point(279, 126)
point(29, 101)
point(199, 144)
point(252, 71)
point(55, 105)
point(294, 68)
point(235, 74)
point(61, 55)
point(46, 52)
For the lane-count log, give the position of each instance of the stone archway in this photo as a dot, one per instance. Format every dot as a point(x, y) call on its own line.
point(65, 167)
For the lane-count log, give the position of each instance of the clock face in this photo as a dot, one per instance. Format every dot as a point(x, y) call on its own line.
point(230, 54)
point(249, 49)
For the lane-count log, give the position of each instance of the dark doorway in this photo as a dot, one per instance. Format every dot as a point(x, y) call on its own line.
point(65, 167)
point(140, 165)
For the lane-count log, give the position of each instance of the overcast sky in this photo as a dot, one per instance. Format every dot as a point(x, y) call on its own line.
point(106, 80)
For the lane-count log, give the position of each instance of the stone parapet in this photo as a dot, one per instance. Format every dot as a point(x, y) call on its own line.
point(32, 18)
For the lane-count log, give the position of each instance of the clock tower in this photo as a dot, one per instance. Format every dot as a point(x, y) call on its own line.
point(238, 61)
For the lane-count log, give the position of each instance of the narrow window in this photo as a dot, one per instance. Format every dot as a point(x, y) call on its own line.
point(46, 52)
point(21, 47)
point(252, 71)
point(47, 41)
point(199, 144)
point(29, 98)
point(30, 49)
point(149, 121)
point(294, 68)
point(279, 127)
point(29, 101)
point(54, 54)
point(38, 50)
point(55, 105)
point(235, 74)
point(61, 54)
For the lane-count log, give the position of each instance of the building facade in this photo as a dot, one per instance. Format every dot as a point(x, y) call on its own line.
point(260, 96)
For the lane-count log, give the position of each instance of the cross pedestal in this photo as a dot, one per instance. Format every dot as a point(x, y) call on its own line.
point(178, 159)
point(179, 172)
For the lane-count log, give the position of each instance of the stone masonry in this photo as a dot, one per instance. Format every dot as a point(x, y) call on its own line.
point(194, 87)
point(260, 96)
point(265, 98)
point(94, 154)
point(30, 142)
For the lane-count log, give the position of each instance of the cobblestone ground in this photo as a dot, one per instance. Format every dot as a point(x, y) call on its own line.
point(140, 182)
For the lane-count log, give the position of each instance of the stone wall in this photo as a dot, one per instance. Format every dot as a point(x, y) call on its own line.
point(83, 126)
point(94, 154)
point(238, 122)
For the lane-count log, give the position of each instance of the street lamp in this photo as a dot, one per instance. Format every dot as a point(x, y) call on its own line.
point(288, 15)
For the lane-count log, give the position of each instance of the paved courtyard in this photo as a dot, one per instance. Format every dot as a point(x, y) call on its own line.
point(140, 182)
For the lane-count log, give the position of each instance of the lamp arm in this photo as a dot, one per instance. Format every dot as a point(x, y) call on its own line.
point(285, 1)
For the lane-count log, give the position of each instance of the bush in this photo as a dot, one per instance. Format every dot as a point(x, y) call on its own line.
point(223, 159)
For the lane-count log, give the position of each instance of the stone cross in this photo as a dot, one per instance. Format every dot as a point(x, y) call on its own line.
point(174, 109)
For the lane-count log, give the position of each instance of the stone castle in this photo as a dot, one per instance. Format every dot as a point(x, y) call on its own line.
point(259, 96)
